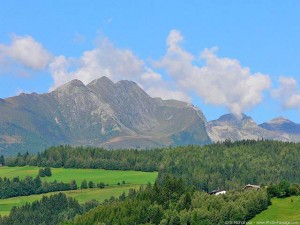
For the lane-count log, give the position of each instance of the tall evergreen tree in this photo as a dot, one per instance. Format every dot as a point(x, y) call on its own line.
point(47, 172)
point(84, 184)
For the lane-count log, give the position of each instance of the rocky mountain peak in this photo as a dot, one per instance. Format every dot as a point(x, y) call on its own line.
point(101, 113)
point(75, 83)
point(101, 82)
point(70, 86)
point(235, 128)
point(127, 86)
point(127, 83)
point(233, 117)
point(279, 120)
point(233, 120)
point(281, 124)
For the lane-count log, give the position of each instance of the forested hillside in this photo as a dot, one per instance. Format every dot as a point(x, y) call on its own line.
point(185, 175)
point(227, 165)
point(232, 165)
point(81, 157)
point(168, 202)
point(49, 210)
point(172, 203)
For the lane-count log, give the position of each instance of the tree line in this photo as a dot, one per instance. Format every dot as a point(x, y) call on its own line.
point(283, 189)
point(228, 165)
point(84, 184)
point(29, 186)
point(90, 157)
point(16, 187)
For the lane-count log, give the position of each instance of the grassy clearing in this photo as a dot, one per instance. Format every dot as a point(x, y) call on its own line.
point(81, 195)
point(133, 179)
point(282, 210)
point(111, 177)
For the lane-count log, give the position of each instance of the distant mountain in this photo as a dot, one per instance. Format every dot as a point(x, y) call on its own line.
point(102, 113)
point(281, 124)
point(285, 127)
point(236, 128)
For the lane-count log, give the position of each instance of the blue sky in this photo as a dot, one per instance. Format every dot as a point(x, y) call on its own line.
point(223, 56)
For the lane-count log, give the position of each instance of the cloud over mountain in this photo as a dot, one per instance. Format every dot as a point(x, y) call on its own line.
point(216, 80)
point(25, 51)
point(288, 93)
point(117, 64)
point(220, 81)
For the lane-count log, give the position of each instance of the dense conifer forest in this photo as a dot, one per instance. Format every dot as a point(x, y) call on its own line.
point(228, 165)
point(48, 211)
point(172, 203)
point(186, 174)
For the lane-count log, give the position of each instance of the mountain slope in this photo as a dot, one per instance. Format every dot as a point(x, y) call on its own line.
point(285, 127)
point(281, 124)
point(102, 113)
point(236, 128)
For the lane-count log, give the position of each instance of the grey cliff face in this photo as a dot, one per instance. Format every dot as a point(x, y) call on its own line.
point(102, 113)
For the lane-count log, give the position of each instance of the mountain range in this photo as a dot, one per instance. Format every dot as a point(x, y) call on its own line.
point(236, 128)
point(101, 113)
point(120, 115)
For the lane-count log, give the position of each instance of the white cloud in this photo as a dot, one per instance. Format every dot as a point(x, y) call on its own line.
point(166, 93)
point(59, 70)
point(25, 51)
point(151, 76)
point(221, 81)
point(104, 60)
point(117, 64)
point(288, 93)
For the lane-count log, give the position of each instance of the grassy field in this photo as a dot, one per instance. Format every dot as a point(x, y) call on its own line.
point(283, 210)
point(133, 179)
point(111, 177)
point(81, 195)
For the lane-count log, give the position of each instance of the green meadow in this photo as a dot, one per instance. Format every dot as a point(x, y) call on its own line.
point(81, 195)
point(133, 179)
point(286, 211)
point(110, 177)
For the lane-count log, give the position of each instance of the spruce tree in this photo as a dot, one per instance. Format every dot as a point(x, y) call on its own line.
point(84, 184)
